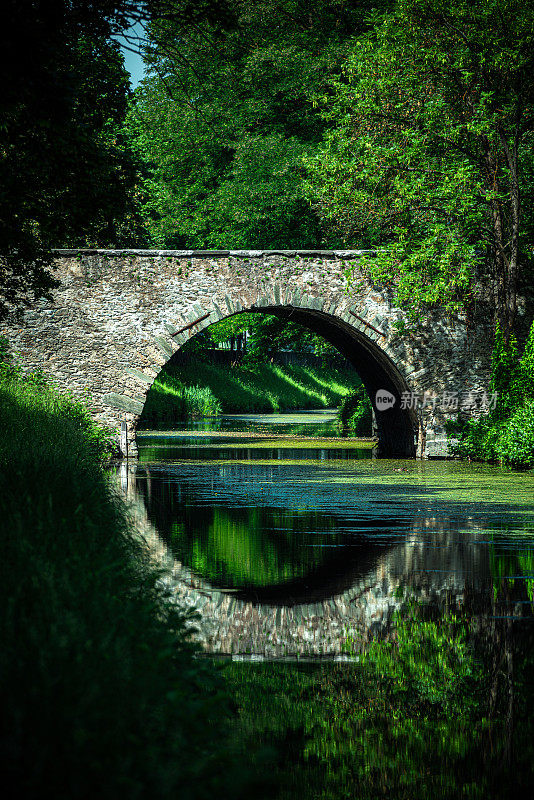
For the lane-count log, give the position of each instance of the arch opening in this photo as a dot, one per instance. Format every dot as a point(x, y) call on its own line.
point(396, 427)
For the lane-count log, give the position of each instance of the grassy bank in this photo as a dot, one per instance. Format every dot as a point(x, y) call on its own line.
point(199, 389)
point(100, 690)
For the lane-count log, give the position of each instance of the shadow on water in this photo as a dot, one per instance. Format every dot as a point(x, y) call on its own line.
point(427, 569)
point(333, 540)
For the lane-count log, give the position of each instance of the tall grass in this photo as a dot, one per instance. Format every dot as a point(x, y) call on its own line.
point(264, 387)
point(101, 693)
point(169, 401)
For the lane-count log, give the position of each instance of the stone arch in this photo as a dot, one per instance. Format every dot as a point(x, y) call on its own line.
point(358, 339)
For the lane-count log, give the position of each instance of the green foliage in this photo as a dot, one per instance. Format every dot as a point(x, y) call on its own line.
point(67, 175)
point(408, 720)
point(356, 412)
point(224, 120)
point(230, 328)
point(428, 149)
point(169, 402)
point(505, 434)
point(248, 547)
point(512, 568)
point(33, 389)
point(475, 438)
point(269, 335)
point(515, 444)
point(263, 387)
point(504, 373)
point(429, 664)
point(524, 387)
point(101, 691)
point(261, 336)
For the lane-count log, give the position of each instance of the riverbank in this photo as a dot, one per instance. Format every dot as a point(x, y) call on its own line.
point(104, 696)
point(101, 692)
point(202, 389)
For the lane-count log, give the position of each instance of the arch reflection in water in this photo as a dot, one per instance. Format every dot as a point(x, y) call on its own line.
point(277, 580)
point(267, 553)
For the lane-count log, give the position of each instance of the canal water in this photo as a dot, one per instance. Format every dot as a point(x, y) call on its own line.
point(291, 540)
point(372, 618)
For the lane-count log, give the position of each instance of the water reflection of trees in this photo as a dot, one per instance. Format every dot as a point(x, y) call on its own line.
point(395, 721)
point(267, 551)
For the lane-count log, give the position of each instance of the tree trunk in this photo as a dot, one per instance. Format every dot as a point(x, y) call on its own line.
point(505, 238)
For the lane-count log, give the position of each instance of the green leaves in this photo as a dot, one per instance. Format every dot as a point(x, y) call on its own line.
point(422, 157)
point(224, 121)
point(66, 174)
point(506, 434)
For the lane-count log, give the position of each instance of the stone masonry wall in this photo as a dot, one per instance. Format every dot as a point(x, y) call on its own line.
point(115, 321)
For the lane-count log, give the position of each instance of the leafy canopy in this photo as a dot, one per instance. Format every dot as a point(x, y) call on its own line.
point(224, 120)
point(66, 174)
point(429, 149)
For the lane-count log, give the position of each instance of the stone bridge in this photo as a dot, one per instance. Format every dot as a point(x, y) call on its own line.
point(119, 315)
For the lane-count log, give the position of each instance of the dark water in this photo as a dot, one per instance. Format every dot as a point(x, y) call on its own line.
point(403, 589)
point(325, 538)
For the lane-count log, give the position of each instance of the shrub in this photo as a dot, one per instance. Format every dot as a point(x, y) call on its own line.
point(356, 412)
point(514, 444)
point(525, 378)
point(476, 438)
point(505, 434)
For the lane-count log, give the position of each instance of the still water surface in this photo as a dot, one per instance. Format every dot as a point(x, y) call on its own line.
point(298, 546)
point(289, 539)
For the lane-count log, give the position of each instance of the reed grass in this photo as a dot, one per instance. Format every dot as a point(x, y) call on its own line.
point(202, 389)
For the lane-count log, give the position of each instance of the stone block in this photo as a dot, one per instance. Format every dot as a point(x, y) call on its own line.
point(220, 314)
point(295, 300)
point(166, 347)
point(140, 376)
point(123, 403)
point(198, 310)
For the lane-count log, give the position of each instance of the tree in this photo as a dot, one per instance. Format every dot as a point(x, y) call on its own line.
point(431, 150)
point(224, 120)
point(66, 174)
